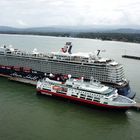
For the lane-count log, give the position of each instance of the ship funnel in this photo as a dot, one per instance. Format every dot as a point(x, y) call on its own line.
point(70, 48)
point(67, 48)
point(98, 52)
point(69, 45)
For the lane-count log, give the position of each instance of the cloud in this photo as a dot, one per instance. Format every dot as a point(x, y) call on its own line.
point(69, 12)
point(21, 22)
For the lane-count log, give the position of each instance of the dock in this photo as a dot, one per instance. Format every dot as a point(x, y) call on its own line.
point(131, 57)
point(3, 75)
point(22, 80)
point(136, 106)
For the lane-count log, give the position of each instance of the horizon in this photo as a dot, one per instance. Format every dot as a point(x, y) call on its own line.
point(77, 27)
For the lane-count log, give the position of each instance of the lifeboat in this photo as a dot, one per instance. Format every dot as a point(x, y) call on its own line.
point(57, 88)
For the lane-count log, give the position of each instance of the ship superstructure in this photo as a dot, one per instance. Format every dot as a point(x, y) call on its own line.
point(65, 62)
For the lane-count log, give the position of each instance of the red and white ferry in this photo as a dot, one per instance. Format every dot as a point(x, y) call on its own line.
point(92, 93)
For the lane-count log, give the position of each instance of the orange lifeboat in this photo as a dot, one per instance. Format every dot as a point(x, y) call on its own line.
point(56, 88)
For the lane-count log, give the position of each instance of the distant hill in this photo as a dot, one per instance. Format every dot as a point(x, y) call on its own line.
point(121, 34)
point(52, 29)
point(69, 29)
point(7, 28)
point(126, 30)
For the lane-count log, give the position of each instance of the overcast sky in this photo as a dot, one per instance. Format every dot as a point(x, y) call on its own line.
point(33, 13)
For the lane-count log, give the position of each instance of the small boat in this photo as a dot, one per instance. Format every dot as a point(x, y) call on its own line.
point(89, 92)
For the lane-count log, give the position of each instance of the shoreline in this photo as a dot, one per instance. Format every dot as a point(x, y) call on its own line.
point(60, 35)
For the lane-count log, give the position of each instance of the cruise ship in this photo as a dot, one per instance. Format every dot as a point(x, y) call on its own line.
point(90, 92)
point(64, 62)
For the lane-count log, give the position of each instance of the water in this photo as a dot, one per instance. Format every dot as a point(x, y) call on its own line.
point(23, 115)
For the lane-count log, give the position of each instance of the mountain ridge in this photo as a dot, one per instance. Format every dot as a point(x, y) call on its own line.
point(69, 29)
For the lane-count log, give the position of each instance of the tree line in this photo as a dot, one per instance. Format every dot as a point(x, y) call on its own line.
point(124, 37)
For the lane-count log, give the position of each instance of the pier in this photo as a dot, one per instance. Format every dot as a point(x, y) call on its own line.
point(20, 80)
point(23, 80)
point(3, 75)
point(131, 57)
point(136, 106)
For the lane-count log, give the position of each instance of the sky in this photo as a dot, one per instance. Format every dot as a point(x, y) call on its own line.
point(97, 13)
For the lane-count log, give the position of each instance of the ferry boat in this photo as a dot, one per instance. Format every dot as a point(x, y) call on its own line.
point(105, 70)
point(91, 93)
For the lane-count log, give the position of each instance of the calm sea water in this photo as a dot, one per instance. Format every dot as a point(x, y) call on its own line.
point(25, 116)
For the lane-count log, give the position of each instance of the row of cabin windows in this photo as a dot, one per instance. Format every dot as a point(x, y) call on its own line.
point(90, 95)
point(95, 99)
point(83, 92)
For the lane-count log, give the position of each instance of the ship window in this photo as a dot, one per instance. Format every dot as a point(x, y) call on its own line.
point(82, 97)
point(46, 89)
point(74, 95)
point(105, 102)
point(89, 96)
point(96, 100)
point(69, 85)
point(89, 99)
point(108, 94)
point(82, 94)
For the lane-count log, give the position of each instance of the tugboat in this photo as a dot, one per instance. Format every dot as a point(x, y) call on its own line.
point(90, 93)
